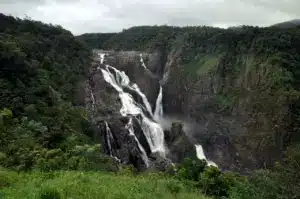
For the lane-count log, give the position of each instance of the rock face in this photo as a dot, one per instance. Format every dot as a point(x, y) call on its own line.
point(240, 127)
point(179, 145)
point(104, 105)
point(123, 137)
point(239, 86)
point(130, 63)
point(230, 121)
point(123, 145)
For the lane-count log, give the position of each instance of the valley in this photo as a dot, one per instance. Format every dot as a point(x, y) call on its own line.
point(180, 112)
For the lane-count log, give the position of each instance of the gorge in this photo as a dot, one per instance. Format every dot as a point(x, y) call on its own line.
point(150, 122)
point(218, 88)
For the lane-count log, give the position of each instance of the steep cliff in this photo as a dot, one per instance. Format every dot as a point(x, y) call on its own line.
point(236, 90)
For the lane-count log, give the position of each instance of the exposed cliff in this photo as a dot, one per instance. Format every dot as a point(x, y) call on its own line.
point(238, 87)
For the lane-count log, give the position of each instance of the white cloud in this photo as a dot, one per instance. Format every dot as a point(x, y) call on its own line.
point(81, 16)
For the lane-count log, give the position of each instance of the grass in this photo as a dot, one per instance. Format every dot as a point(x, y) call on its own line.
point(89, 185)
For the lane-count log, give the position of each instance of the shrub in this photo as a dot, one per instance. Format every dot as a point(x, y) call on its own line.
point(213, 182)
point(7, 178)
point(190, 169)
point(50, 194)
point(174, 187)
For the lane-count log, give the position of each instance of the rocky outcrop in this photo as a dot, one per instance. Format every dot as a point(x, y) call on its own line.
point(179, 145)
point(130, 63)
point(237, 110)
point(122, 136)
point(123, 145)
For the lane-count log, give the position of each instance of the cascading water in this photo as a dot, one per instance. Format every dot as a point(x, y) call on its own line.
point(124, 81)
point(109, 137)
point(93, 100)
point(200, 155)
point(102, 55)
point(152, 130)
point(129, 126)
point(143, 96)
point(142, 61)
point(158, 113)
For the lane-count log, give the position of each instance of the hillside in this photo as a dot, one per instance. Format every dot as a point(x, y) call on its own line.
point(288, 24)
point(74, 125)
point(43, 123)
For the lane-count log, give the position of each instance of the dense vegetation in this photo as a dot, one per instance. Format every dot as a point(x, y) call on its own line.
point(46, 145)
point(88, 185)
point(42, 124)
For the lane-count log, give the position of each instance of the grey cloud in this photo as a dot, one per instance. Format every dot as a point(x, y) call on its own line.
point(81, 16)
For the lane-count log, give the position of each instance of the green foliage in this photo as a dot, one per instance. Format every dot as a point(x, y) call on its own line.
point(50, 194)
point(7, 178)
point(90, 185)
point(42, 125)
point(281, 183)
point(191, 169)
point(209, 179)
point(213, 182)
point(225, 102)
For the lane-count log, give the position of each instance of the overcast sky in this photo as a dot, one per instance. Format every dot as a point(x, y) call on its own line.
point(81, 16)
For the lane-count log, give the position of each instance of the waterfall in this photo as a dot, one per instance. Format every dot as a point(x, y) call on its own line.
point(93, 99)
point(143, 96)
point(124, 81)
point(158, 113)
point(142, 61)
point(102, 55)
point(201, 155)
point(109, 137)
point(152, 130)
point(129, 126)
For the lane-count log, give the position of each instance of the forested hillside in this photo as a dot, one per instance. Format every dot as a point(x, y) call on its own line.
point(43, 125)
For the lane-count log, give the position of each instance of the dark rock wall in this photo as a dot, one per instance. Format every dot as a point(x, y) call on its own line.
point(239, 120)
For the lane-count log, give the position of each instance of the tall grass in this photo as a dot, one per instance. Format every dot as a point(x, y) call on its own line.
point(90, 185)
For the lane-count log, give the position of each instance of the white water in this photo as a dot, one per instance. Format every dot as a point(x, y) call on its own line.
point(201, 155)
point(109, 137)
point(158, 113)
point(129, 126)
point(93, 99)
point(152, 130)
point(102, 55)
point(143, 96)
point(123, 80)
point(142, 61)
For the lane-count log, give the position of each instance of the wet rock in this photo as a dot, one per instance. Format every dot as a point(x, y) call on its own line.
point(159, 163)
point(178, 144)
point(141, 136)
point(124, 145)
